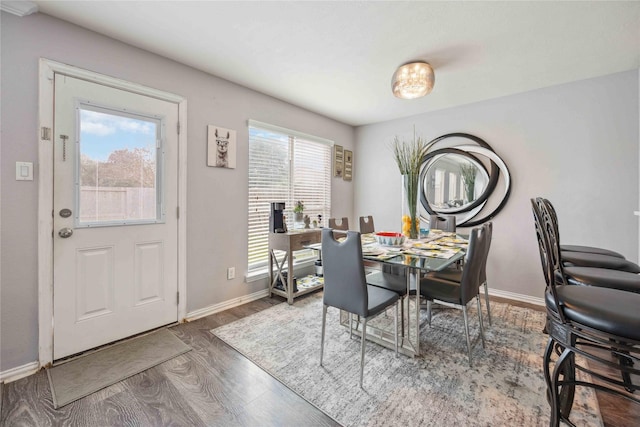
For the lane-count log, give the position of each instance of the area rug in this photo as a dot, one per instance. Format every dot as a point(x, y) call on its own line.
point(87, 374)
point(505, 386)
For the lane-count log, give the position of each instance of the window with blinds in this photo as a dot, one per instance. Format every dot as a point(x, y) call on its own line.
point(285, 166)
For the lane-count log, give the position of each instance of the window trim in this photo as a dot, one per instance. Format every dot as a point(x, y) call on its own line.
point(290, 132)
point(159, 155)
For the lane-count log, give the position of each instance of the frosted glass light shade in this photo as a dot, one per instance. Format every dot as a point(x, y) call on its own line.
point(413, 80)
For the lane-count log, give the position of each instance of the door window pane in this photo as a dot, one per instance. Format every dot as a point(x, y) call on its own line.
point(118, 168)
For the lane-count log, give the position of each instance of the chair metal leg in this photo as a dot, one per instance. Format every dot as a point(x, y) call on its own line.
point(568, 389)
point(480, 319)
point(466, 331)
point(324, 321)
point(364, 334)
point(350, 325)
point(560, 407)
point(395, 326)
point(625, 361)
point(429, 302)
point(486, 300)
point(546, 362)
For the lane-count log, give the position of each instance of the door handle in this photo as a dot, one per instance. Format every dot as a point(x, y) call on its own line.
point(65, 232)
point(64, 147)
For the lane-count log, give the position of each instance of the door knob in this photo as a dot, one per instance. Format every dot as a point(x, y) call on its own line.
point(65, 232)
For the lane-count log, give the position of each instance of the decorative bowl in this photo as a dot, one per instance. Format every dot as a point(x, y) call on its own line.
point(389, 238)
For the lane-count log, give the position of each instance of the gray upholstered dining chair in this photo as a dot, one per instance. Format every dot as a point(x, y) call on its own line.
point(443, 222)
point(459, 294)
point(342, 225)
point(390, 278)
point(345, 287)
point(366, 225)
point(455, 273)
point(483, 269)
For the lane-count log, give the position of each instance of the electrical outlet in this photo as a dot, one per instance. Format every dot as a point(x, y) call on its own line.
point(231, 273)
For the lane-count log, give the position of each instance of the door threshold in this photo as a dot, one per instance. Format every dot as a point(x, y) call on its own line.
point(75, 356)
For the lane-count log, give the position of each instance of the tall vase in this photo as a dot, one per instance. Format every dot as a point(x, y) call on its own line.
point(410, 218)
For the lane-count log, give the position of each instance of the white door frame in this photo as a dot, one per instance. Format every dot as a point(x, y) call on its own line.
point(45, 191)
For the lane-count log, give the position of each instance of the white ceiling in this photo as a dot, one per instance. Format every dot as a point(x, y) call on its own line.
point(337, 58)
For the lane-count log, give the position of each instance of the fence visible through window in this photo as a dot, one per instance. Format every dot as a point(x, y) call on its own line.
point(119, 164)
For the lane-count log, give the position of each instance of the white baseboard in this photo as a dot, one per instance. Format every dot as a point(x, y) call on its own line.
point(18, 372)
point(215, 308)
point(516, 297)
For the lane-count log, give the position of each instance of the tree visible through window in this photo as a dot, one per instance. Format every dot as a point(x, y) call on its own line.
point(118, 167)
point(284, 166)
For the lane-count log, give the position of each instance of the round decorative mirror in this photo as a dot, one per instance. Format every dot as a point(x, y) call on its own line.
point(452, 182)
point(458, 176)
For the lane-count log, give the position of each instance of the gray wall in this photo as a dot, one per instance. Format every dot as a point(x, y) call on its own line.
point(217, 198)
point(576, 144)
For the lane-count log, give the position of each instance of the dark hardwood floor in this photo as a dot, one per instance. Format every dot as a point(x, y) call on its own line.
point(617, 411)
point(213, 385)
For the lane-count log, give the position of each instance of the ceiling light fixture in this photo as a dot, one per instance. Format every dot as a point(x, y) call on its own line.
point(413, 80)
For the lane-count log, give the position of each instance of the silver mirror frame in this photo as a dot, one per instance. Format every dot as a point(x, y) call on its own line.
point(466, 215)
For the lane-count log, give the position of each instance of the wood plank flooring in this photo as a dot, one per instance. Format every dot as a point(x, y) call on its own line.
point(213, 385)
point(616, 411)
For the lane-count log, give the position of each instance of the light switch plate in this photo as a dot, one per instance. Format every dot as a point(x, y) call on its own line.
point(24, 171)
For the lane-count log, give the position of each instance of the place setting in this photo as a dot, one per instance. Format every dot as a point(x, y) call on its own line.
point(373, 250)
point(431, 250)
point(386, 245)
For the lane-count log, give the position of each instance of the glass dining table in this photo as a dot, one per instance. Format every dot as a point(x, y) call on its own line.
point(413, 259)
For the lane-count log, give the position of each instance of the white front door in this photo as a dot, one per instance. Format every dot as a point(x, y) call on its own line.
point(115, 250)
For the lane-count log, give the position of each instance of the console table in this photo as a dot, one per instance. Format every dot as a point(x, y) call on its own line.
point(289, 242)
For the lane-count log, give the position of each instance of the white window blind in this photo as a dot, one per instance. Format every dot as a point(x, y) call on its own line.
point(284, 166)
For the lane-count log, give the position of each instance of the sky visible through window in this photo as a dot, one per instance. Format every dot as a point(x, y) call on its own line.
point(103, 133)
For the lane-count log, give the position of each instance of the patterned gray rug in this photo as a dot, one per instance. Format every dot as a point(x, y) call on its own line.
point(504, 387)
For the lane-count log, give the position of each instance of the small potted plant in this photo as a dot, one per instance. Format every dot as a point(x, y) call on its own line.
point(298, 210)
